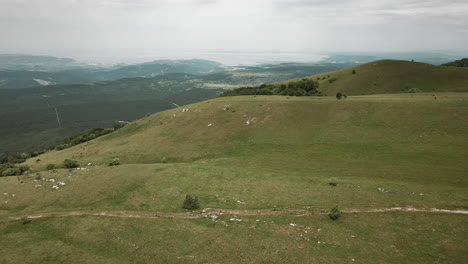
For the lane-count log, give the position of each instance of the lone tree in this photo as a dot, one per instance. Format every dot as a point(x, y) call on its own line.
point(339, 95)
point(354, 71)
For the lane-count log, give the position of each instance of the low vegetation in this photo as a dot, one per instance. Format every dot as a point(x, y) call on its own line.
point(114, 162)
point(334, 213)
point(70, 164)
point(8, 169)
point(458, 63)
point(303, 87)
point(191, 202)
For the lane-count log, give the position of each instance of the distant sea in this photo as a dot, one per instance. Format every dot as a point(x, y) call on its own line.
point(227, 58)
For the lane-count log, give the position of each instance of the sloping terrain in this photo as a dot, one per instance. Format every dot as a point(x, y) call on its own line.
point(254, 153)
point(392, 76)
point(458, 63)
point(27, 116)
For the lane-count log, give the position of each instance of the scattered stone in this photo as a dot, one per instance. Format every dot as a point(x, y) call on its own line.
point(61, 183)
point(291, 224)
point(52, 180)
point(38, 186)
point(210, 124)
point(55, 187)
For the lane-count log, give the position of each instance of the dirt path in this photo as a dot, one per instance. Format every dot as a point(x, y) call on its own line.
point(218, 211)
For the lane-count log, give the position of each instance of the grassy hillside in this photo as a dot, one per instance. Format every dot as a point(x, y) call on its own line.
point(255, 153)
point(27, 116)
point(458, 63)
point(392, 76)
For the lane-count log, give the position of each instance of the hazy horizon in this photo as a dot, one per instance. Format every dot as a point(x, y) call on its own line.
point(128, 31)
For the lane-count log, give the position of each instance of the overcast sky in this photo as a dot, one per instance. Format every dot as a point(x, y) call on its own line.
point(273, 25)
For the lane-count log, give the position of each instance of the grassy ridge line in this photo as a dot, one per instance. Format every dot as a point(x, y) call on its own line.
point(392, 76)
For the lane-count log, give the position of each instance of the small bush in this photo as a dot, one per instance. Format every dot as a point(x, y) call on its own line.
point(333, 182)
point(11, 172)
point(114, 162)
point(414, 90)
point(69, 164)
point(190, 202)
point(50, 166)
point(339, 95)
point(25, 220)
point(164, 160)
point(334, 213)
point(354, 72)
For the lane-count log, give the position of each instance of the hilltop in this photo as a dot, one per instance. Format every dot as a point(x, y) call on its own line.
point(458, 63)
point(393, 76)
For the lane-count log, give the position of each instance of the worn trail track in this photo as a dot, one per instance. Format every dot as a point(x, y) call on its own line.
point(218, 211)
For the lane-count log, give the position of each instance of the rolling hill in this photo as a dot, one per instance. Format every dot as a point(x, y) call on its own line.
point(458, 63)
point(27, 116)
point(261, 167)
point(393, 76)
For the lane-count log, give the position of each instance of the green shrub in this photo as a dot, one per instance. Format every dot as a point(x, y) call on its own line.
point(303, 87)
point(334, 213)
point(114, 162)
point(25, 220)
point(333, 182)
point(69, 164)
point(339, 95)
point(354, 71)
point(10, 170)
point(190, 202)
point(414, 90)
point(50, 166)
point(17, 158)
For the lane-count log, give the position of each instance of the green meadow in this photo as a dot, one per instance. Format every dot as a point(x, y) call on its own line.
point(248, 153)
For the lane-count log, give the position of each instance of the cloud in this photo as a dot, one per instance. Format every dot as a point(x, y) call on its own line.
point(288, 25)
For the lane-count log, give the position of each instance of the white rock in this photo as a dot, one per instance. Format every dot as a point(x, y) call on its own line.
point(52, 180)
point(210, 124)
point(61, 183)
point(291, 224)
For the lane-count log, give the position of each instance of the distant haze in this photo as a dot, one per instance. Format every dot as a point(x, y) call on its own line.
point(119, 29)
